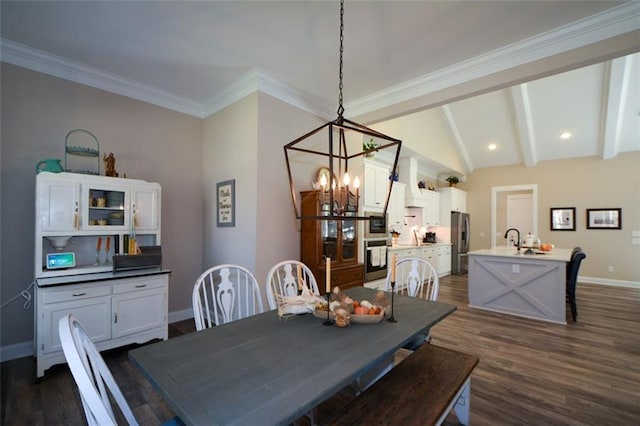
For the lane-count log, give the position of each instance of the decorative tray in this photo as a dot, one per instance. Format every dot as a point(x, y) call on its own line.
point(83, 151)
point(358, 319)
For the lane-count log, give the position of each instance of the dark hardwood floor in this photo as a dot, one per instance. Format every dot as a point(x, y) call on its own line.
point(530, 372)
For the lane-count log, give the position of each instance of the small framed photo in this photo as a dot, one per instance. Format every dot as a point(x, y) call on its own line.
point(604, 218)
point(563, 218)
point(226, 203)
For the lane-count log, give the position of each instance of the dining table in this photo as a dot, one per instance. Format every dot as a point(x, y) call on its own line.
point(269, 370)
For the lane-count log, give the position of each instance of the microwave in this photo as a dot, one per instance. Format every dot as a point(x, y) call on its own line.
point(376, 226)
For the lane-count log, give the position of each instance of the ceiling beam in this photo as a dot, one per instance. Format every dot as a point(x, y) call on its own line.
point(616, 92)
point(460, 147)
point(524, 124)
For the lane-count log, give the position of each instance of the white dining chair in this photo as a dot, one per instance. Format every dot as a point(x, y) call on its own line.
point(92, 376)
point(415, 277)
point(225, 293)
point(286, 278)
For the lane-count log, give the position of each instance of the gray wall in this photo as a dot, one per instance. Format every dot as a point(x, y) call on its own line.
point(149, 143)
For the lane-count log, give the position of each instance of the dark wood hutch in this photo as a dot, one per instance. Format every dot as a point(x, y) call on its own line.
point(337, 239)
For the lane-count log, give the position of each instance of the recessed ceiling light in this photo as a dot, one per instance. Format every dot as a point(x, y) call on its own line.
point(565, 135)
point(492, 146)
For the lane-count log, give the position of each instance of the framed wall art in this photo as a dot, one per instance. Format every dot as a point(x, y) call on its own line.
point(226, 203)
point(563, 218)
point(604, 218)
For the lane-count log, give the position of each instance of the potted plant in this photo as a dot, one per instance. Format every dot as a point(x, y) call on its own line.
point(453, 180)
point(366, 146)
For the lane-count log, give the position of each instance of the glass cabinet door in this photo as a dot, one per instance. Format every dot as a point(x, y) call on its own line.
point(329, 234)
point(105, 208)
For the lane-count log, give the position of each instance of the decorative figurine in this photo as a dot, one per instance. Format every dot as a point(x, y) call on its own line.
point(110, 165)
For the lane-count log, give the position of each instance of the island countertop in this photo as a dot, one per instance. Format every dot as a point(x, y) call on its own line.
point(557, 254)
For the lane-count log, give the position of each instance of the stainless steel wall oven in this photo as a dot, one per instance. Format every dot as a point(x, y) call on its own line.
point(375, 266)
point(376, 227)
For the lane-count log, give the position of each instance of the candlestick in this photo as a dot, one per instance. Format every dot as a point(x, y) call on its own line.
point(328, 275)
point(393, 286)
point(393, 268)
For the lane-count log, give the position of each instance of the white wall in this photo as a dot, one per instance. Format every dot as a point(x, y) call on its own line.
point(149, 143)
point(229, 152)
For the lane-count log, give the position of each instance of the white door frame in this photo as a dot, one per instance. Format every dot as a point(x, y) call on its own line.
point(494, 200)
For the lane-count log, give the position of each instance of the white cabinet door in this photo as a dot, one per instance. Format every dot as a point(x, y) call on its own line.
point(58, 205)
point(145, 207)
point(444, 260)
point(138, 311)
point(376, 181)
point(430, 255)
point(431, 213)
point(396, 206)
point(92, 312)
point(104, 207)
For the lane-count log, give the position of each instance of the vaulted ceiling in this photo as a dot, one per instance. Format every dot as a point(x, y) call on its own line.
point(516, 74)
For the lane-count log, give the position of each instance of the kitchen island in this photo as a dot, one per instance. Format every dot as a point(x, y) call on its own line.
point(502, 279)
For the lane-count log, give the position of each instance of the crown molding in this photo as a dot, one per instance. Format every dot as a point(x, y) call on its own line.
point(46, 63)
point(257, 80)
point(611, 23)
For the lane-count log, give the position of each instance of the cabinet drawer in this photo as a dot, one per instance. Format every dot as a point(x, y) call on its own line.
point(347, 275)
point(74, 293)
point(127, 286)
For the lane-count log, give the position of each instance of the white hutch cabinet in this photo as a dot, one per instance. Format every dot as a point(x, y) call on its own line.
point(85, 220)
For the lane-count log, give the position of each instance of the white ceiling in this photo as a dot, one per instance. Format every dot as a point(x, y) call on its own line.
point(400, 57)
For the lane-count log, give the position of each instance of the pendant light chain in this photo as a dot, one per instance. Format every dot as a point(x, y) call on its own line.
point(340, 107)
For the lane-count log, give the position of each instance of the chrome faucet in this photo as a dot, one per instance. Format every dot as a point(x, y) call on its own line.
point(506, 234)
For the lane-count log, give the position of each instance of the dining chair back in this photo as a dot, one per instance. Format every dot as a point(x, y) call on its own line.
point(225, 293)
point(415, 277)
point(91, 374)
point(572, 279)
point(286, 278)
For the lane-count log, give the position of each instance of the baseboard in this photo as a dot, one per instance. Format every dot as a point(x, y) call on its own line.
point(603, 281)
point(184, 314)
point(20, 350)
point(17, 350)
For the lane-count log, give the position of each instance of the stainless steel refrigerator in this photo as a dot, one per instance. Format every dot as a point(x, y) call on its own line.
point(460, 235)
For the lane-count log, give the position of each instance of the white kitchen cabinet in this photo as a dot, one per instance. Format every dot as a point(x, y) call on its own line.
point(403, 253)
point(115, 312)
point(88, 210)
point(429, 254)
point(443, 264)
point(395, 211)
point(58, 206)
point(431, 213)
point(145, 207)
point(376, 184)
point(453, 200)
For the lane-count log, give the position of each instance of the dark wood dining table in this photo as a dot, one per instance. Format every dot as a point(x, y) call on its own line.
point(266, 370)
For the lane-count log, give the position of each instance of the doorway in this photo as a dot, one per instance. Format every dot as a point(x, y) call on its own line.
point(513, 206)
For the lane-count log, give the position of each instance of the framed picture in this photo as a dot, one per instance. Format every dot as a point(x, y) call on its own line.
point(226, 203)
point(563, 218)
point(604, 218)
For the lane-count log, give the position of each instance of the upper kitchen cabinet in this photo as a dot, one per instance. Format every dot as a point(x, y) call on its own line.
point(145, 207)
point(453, 200)
point(395, 212)
point(431, 213)
point(376, 182)
point(58, 206)
point(76, 213)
